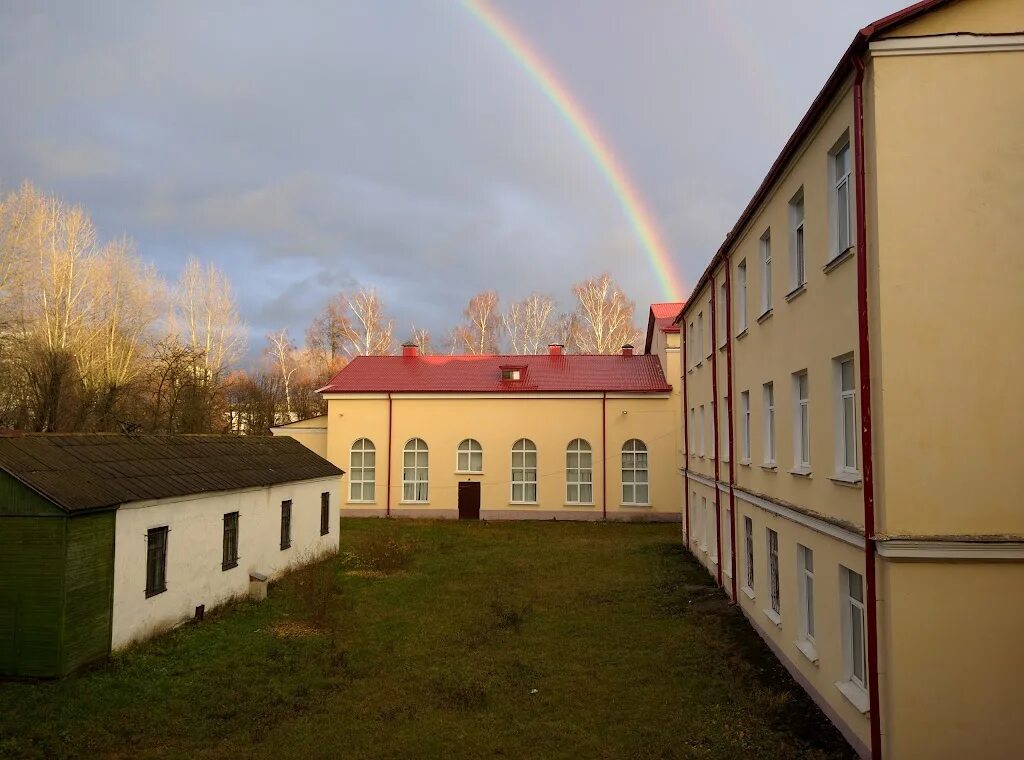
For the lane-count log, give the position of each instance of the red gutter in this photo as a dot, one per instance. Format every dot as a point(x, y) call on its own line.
point(865, 409)
point(684, 357)
point(714, 413)
point(604, 453)
point(732, 426)
point(390, 452)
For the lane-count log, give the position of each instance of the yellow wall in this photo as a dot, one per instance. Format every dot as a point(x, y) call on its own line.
point(980, 16)
point(311, 433)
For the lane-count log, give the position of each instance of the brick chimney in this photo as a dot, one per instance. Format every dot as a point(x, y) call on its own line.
point(410, 349)
point(555, 349)
point(627, 350)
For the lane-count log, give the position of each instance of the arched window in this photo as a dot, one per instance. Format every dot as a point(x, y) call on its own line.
point(470, 456)
point(524, 472)
point(634, 472)
point(414, 471)
point(579, 473)
point(362, 471)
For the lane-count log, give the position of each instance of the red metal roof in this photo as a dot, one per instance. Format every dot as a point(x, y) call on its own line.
point(662, 316)
point(572, 373)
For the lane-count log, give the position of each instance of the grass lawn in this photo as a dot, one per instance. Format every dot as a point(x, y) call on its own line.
point(542, 640)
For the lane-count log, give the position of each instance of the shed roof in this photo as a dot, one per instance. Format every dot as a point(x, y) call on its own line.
point(82, 472)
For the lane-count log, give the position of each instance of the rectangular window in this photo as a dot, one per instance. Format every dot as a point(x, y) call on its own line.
point(703, 523)
point(700, 336)
point(703, 426)
point(692, 432)
point(796, 246)
point(741, 298)
point(768, 391)
point(286, 524)
point(156, 561)
point(362, 474)
point(745, 426)
point(839, 174)
point(723, 307)
point(694, 530)
point(805, 577)
point(229, 554)
point(847, 426)
point(725, 429)
point(801, 422)
point(325, 513)
point(693, 345)
point(727, 541)
point(773, 571)
point(713, 534)
point(766, 272)
point(748, 554)
point(852, 596)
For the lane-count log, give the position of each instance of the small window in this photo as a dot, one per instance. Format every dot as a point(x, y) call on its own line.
point(325, 513)
point(229, 554)
point(796, 245)
point(723, 308)
point(713, 533)
point(773, 571)
point(703, 426)
point(415, 470)
point(363, 471)
point(286, 524)
point(766, 272)
point(511, 373)
point(805, 577)
point(634, 473)
point(745, 426)
point(768, 390)
point(700, 336)
point(692, 432)
point(727, 540)
point(579, 473)
point(470, 456)
point(692, 347)
point(724, 427)
point(741, 296)
point(703, 523)
point(156, 561)
point(847, 425)
point(801, 422)
point(524, 472)
point(748, 554)
point(852, 596)
point(839, 202)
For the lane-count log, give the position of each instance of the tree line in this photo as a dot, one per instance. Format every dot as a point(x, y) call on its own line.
point(93, 339)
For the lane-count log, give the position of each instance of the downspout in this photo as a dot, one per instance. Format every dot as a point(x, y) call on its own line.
point(390, 454)
point(731, 423)
point(865, 409)
point(686, 439)
point(714, 414)
point(604, 454)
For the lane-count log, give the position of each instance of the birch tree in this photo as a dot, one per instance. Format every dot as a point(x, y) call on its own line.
point(529, 324)
point(604, 317)
point(369, 331)
point(478, 335)
point(284, 357)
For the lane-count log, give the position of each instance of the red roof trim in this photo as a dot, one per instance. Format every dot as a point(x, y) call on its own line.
point(832, 85)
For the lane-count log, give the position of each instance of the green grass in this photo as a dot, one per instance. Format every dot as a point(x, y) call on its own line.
point(448, 639)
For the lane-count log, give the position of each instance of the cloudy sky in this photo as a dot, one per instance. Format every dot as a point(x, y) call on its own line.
point(307, 147)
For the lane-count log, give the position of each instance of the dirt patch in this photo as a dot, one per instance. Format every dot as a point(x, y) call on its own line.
point(372, 574)
point(291, 629)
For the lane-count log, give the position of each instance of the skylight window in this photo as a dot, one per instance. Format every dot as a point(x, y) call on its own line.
point(511, 373)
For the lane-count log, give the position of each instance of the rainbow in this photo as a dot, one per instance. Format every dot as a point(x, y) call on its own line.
point(587, 132)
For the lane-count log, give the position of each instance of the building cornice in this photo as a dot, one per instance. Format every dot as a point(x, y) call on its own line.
point(902, 548)
point(944, 44)
point(562, 395)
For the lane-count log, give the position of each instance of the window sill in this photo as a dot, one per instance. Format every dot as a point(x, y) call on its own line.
point(523, 503)
point(796, 292)
point(722, 345)
point(714, 561)
point(855, 694)
point(770, 467)
point(745, 462)
point(704, 549)
point(577, 503)
point(764, 316)
point(627, 504)
point(726, 572)
point(325, 533)
point(849, 479)
point(229, 565)
point(741, 334)
point(773, 616)
point(838, 259)
point(807, 650)
point(698, 364)
point(359, 501)
point(285, 547)
point(421, 503)
point(801, 472)
point(748, 591)
point(157, 592)
point(469, 472)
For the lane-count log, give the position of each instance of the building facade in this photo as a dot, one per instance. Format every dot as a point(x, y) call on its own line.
point(850, 438)
point(553, 436)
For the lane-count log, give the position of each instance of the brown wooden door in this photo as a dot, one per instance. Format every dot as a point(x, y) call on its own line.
point(469, 501)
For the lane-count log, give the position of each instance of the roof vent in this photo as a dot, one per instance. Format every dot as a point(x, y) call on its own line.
point(555, 349)
point(627, 350)
point(410, 348)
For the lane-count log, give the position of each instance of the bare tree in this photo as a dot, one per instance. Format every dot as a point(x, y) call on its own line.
point(604, 317)
point(284, 357)
point(479, 333)
point(567, 331)
point(208, 318)
point(326, 337)
point(529, 324)
point(421, 337)
point(369, 331)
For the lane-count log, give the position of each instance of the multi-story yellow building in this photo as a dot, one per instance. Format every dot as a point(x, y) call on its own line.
point(852, 440)
point(554, 436)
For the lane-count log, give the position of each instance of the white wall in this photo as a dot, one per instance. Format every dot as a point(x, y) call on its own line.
point(195, 549)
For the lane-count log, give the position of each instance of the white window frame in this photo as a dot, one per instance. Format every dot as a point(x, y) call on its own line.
point(774, 610)
point(846, 434)
point(704, 523)
point(420, 481)
point(692, 432)
point(801, 423)
point(853, 616)
point(723, 307)
point(579, 476)
point(358, 475)
point(634, 447)
point(713, 534)
point(839, 184)
point(797, 242)
point(748, 556)
point(692, 350)
point(745, 427)
point(768, 397)
point(765, 244)
point(703, 425)
point(524, 475)
point(724, 422)
point(741, 299)
point(805, 589)
point(700, 337)
point(727, 541)
point(465, 451)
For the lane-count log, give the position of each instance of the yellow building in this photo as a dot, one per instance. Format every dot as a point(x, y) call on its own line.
point(554, 436)
point(851, 437)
